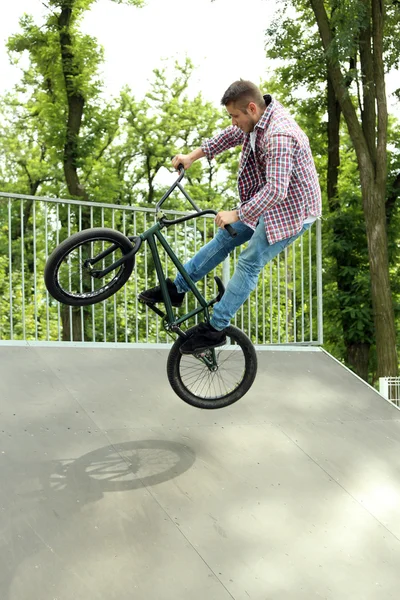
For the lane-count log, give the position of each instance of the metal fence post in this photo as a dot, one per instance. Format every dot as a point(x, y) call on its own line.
point(320, 319)
point(226, 271)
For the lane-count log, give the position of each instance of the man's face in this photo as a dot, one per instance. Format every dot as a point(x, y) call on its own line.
point(245, 121)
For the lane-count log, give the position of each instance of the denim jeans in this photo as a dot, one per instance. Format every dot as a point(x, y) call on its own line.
point(257, 254)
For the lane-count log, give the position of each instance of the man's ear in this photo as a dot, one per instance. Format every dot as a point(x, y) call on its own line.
point(252, 108)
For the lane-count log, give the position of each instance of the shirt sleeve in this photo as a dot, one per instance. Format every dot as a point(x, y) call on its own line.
point(228, 138)
point(279, 167)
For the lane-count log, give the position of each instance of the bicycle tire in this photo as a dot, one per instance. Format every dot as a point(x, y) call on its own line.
point(192, 390)
point(74, 242)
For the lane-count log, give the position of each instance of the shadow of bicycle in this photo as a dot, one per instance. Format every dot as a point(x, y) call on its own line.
point(44, 498)
point(123, 466)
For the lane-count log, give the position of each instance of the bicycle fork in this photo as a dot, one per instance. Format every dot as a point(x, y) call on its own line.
point(208, 356)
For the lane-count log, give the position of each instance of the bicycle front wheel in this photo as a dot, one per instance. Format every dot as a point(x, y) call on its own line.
point(232, 376)
point(70, 269)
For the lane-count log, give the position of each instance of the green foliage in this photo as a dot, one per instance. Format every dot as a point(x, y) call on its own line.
point(123, 152)
point(348, 19)
point(300, 82)
point(122, 147)
point(164, 123)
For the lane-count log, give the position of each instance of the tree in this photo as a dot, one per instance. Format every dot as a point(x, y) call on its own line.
point(148, 133)
point(164, 123)
point(63, 72)
point(62, 78)
point(305, 67)
point(301, 81)
point(356, 29)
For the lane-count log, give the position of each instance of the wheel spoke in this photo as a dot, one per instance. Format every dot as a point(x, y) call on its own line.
point(212, 385)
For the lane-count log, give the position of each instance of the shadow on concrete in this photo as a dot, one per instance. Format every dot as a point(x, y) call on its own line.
point(42, 499)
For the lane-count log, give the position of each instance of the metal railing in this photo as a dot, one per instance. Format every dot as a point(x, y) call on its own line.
point(285, 308)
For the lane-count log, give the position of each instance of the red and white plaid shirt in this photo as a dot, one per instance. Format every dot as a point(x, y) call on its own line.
point(280, 182)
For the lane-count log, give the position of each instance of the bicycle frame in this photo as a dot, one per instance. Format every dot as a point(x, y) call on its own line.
point(151, 235)
point(154, 234)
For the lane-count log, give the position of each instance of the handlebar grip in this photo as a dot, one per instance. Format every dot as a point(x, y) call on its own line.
point(181, 168)
point(231, 231)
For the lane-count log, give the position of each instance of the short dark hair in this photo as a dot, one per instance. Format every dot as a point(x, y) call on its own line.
point(241, 93)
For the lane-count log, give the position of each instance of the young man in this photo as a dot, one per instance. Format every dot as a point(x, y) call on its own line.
point(279, 199)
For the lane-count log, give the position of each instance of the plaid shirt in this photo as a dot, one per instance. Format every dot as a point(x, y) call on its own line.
point(280, 182)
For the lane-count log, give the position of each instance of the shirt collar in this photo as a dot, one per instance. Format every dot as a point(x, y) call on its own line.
point(269, 103)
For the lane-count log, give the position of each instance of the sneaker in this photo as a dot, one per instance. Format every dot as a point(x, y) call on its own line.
point(154, 295)
point(203, 337)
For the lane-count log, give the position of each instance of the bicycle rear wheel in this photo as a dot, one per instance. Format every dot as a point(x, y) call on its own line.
point(69, 270)
point(195, 383)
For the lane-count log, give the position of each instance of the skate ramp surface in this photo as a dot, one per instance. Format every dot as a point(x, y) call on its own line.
point(113, 488)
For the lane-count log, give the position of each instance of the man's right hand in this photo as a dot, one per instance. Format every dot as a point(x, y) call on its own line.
point(182, 159)
point(187, 159)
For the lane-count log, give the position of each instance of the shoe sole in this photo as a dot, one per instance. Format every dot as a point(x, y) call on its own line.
point(147, 301)
point(203, 349)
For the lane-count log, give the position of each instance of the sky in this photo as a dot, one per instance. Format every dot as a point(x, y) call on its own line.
point(137, 40)
point(225, 39)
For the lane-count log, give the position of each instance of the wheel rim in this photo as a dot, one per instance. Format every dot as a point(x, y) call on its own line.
point(204, 384)
point(74, 279)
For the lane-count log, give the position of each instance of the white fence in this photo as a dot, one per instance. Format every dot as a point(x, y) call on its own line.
point(389, 387)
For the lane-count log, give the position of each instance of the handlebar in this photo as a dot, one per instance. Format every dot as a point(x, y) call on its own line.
point(177, 184)
point(181, 171)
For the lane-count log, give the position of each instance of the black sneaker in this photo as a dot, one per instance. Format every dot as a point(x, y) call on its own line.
point(203, 337)
point(154, 295)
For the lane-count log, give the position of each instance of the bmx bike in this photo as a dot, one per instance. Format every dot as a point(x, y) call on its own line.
point(93, 264)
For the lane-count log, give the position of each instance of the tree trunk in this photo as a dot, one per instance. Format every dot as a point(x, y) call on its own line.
point(75, 105)
point(72, 324)
point(368, 110)
point(372, 179)
point(382, 301)
point(75, 101)
point(357, 356)
point(333, 147)
point(357, 352)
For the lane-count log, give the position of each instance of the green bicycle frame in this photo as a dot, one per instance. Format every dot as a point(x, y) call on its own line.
point(151, 235)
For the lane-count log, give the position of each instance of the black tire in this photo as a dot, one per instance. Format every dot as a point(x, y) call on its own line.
point(194, 383)
point(61, 281)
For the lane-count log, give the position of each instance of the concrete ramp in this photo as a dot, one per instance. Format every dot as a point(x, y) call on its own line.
point(113, 488)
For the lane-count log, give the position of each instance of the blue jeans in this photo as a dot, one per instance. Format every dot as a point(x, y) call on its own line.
point(257, 254)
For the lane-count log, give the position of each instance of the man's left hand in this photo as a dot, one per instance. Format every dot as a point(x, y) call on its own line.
point(226, 217)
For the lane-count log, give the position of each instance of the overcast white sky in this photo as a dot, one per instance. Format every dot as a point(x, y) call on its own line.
point(225, 39)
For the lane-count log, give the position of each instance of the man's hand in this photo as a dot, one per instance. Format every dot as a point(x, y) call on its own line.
point(226, 217)
point(187, 159)
point(182, 159)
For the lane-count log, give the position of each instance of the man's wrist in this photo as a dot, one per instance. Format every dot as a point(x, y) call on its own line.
point(196, 154)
